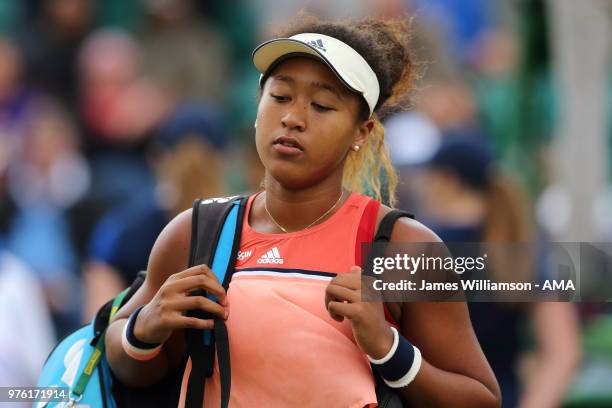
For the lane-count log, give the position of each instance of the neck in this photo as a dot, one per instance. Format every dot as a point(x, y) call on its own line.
point(294, 209)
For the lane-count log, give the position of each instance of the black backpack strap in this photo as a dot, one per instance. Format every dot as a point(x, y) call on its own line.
point(383, 234)
point(385, 228)
point(385, 395)
point(207, 221)
point(223, 359)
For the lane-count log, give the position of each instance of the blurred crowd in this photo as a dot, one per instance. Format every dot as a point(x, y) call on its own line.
point(115, 115)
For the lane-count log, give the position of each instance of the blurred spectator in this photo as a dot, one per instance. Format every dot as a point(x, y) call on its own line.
point(413, 139)
point(51, 44)
point(51, 167)
point(14, 97)
point(450, 104)
point(466, 199)
point(274, 14)
point(120, 109)
point(238, 23)
point(186, 54)
point(119, 105)
point(462, 23)
point(513, 88)
point(26, 332)
point(188, 159)
point(14, 106)
point(47, 178)
point(583, 66)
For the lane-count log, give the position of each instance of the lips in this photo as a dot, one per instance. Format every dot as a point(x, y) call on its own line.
point(288, 141)
point(287, 145)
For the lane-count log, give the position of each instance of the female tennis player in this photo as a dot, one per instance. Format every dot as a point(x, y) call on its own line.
point(300, 336)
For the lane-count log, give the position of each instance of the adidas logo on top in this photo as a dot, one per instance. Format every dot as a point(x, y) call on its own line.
point(271, 257)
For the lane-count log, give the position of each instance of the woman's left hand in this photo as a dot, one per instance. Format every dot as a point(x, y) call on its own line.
point(370, 329)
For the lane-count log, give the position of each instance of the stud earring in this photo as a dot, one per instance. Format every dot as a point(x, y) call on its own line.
point(255, 124)
point(356, 148)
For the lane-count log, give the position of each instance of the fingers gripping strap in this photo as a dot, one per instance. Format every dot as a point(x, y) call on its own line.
point(207, 227)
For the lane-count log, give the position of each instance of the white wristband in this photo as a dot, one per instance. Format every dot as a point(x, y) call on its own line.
point(411, 374)
point(402, 355)
point(142, 353)
point(391, 352)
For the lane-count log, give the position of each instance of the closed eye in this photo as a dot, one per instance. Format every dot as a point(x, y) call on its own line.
point(280, 98)
point(321, 108)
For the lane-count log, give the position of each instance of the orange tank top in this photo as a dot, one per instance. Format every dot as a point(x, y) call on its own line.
point(286, 351)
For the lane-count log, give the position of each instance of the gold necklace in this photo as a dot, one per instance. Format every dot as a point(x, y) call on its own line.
point(309, 225)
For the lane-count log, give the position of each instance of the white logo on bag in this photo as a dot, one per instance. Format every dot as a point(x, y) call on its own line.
point(218, 200)
point(271, 257)
point(72, 361)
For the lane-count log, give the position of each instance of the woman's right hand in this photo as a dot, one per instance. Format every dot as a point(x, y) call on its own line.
point(166, 311)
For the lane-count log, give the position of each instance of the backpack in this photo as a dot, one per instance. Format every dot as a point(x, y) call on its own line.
point(79, 363)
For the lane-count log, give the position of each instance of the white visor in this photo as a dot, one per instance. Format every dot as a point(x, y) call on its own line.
point(350, 67)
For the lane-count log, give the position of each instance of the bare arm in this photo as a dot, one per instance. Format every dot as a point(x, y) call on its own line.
point(101, 282)
point(557, 354)
point(454, 371)
point(165, 294)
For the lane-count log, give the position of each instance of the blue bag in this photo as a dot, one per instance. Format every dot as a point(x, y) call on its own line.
point(78, 362)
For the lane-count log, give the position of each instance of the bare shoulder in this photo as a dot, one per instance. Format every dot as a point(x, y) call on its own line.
point(441, 330)
point(408, 229)
point(170, 254)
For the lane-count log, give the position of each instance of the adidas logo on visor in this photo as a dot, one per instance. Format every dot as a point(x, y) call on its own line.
point(271, 257)
point(317, 44)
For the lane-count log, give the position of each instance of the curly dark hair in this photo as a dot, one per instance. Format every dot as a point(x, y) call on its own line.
point(383, 43)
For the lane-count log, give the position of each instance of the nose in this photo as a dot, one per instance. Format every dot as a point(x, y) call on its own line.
point(294, 117)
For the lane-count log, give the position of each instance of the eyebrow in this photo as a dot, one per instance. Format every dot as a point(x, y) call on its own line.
point(317, 84)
